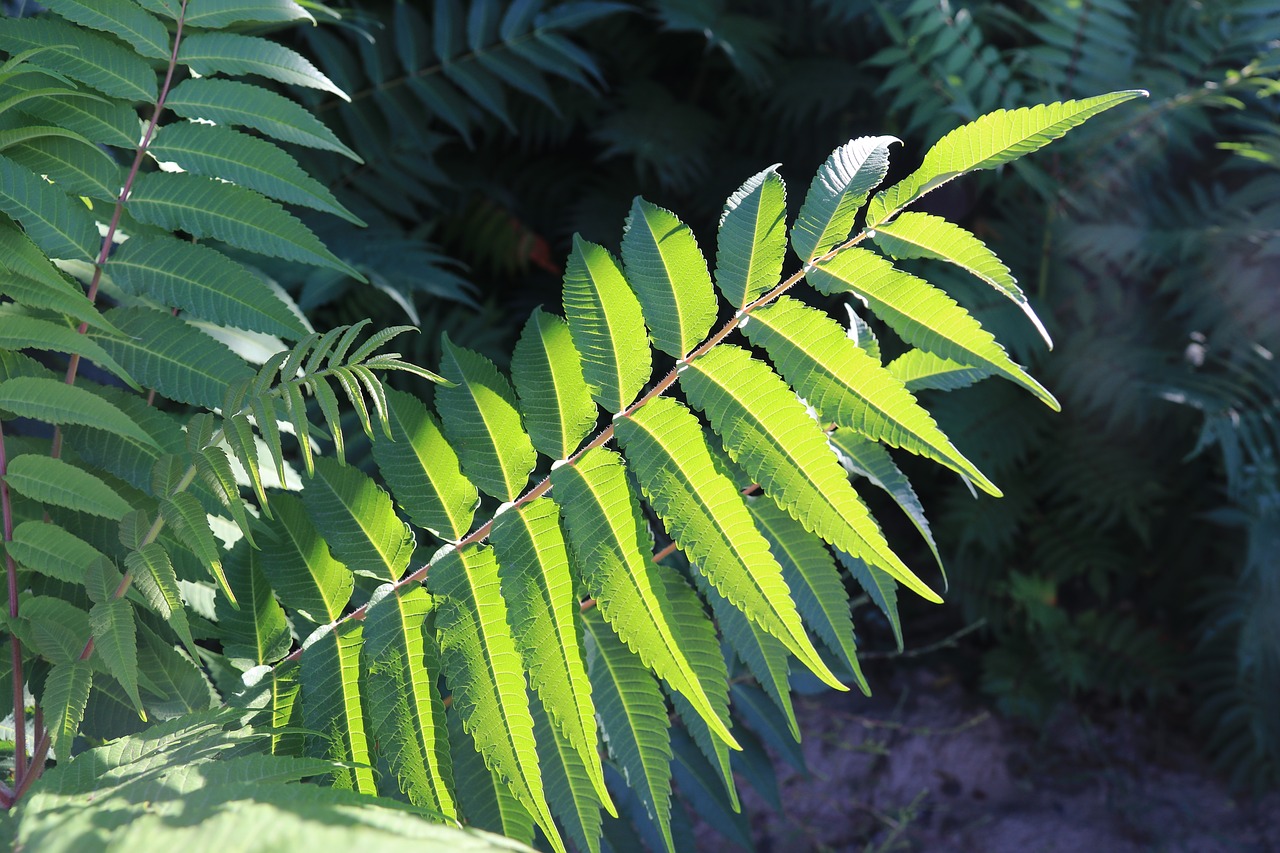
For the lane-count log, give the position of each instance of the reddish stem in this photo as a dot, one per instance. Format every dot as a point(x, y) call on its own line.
point(15, 646)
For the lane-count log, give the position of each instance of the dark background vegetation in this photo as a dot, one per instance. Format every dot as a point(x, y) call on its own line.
point(1134, 558)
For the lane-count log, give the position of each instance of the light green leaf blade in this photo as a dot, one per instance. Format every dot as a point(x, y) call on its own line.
point(921, 314)
point(204, 207)
point(358, 520)
point(60, 225)
point(765, 656)
point(814, 580)
point(81, 55)
point(221, 152)
point(866, 458)
point(55, 402)
point(231, 102)
point(698, 636)
point(767, 431)
point(752, 241)
point(488, 804)
point(482, 420)
point(120, 18)
point(57, 482)
point(331, 706)
point(166, 353)
point(257, 632)
point(407, 721)
point(57, 629)
point(554, 399)
point(66, 694)
point(879, 586)
point(97, 119)
point(923, 235)
point(203, 282)
point(987, 142)
point(838, 190)
point(154, 577)
point(213, 14)
point(483, 668)
point(543, 611)
point(18, 332)
point(611, 549)
point(707, 517)
point(920, 371)
point(233, 54)
point(607, 326)
point(849, 387)
point(62, 297)
point(116, 645)
point(52, 550)
point(422, 470)
point(184, 514)
point(570, 792)
point(634, 718)
point(297, 562)
point(665, 266)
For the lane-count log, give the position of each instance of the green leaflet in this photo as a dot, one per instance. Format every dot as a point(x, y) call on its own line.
point(751, 703)
point(483, 669)
point(55, 402)
point(634, 719)
point(62, 297)
point(814, 581)
point(767, 431)
point(920, 370)
point(203, 282)
point(124, 456)
point(923, 235)
point(52, 550)
point(18, 332)
point(706, 796)
point(219, 13)
point(698, 637)
point(607, 326)
point(879, 586)
point(58, 629)
point(297, 562)
point(838, 190)
point(154, 577)
point(921, 314)
point(231, 102)
point(554, 398)
point(839, 379)
point(98, 120)
point(331, 707)
point(183, 513)
point(482, 420)
point(665, 266)
point(995, 138)
point(257, 631)
point(204, 207)
point(120, 18)
point(407, 721)
point(865, 457)
point(570, 793)
point(63, 227)
point(171, 683)
point(221, 152)
point(488, 803)
point(66, 694)
point(168, 354)
point(233, 54)
point(81, 55)
point(543, 611)
point(708, 519)
point(752, 241)
point(116, 645)
point(422, 470)
point(72, 162)
point(20, 256)
point(56, 482)
point(611, 549)
point(358, 520)
point(764, 654)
